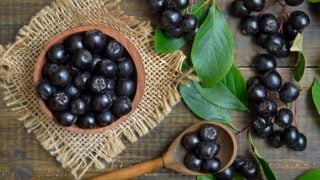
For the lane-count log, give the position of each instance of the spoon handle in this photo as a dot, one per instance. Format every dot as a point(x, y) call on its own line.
point(132, 171)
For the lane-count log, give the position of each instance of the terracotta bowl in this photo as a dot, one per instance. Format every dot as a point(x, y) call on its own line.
point(130, 49)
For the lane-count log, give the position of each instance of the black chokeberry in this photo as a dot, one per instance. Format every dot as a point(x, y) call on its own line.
point(57, 54)
point(206, 150)
point(72, 91)
point(260, 122)
point(274, 42)
point(257, 93)
point(267, 108)
point(79, 106)
point(238, 9)
point(61, 77)
point(260, 39)
point(82, 59)
point(300, 144)
point(212, 165)
point(299, 20)
point(290, 135)
point(268, 23)
point(209, 133)
point(294, 2)
point(108, 68)
point(101, 102)
point(48, 69)
point(95, 63)
point(158, 6)
point(59, 102)
point(98, 84)
point(126, 68)
point(264, 132)
point(74, 43)
point(113, 50)
point(272, 80)
point(82, 79)
point(284, 51)
point(87, 97)
point(264, 63)
point(289, 92)
point(180, 4)
point(175, 32)
point(283, 118)
point(191, 141)
point(66, 118)
point(254, 81)
point(249, 170)
point(254, 5)
point(105, 118)
point(46, 90)
point(275, 140)
point(87, 121)
point(192, 162)
point(249, 25)
point(189, 23)
point(126, 87)
point(227, 174)
point(238, 162)
point(121, 106)
point(94, 40)
point(192, 34)
point(289, 31)
point(171, 18)
point(73, 70)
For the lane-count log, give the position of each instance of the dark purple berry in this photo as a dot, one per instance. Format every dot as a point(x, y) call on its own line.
point(189, 23)
point(272, 80)
point(101, 102)
point(268, 23)
point(227, 174)
point(45, 90)
point(158, 6)
point(284, 51)
point(250, 25)
point(180, 4)
point(72, 91)
point(209, 133)
point(82, 59)
point(275, 139)
point(113, 49)
point(300, 144)
point(87, 97)
point(94, 40)
point(252, 82)
point(299, 20)
point(283, 118)
point(61, 77)
point(289, 92)
point(175, 32)
point(59, 102)
point(98, 84)
point(257, 93)
point(238, 9)
point(171, 18)
point(66, 118)
point(191, 141)
point(289, 31)
point(95, 63)
point(57, 54)
point(265, 132)
point(249, 170)
point(126, 87)
point(79, 106)
point(105, 118)
point(264, 63)
point(126, 68)
point(48, 69)
point(267, 108)
point(290, 135)
point(238, 162)
point(192, 162)
point(206, 150)
point(108, 68)
point(87, 121)
point(294, 2)
point(254, 5)
point(211, 165)
point(274, 42)
point(82, 79)
point(74, 43)
point(121, 106)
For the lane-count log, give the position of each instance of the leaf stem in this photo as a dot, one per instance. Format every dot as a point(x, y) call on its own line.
point(233, 127)
point(245, 129)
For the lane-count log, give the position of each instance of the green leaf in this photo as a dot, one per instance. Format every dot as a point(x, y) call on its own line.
point(297, 43)
point(313, 1)
point(230, 93)
point(206, 177)
point(213, 48)
point(313, 174)
point(316, 93)
point(164, 44)
point(268, 173)
point(300, 67)
point(202, 107)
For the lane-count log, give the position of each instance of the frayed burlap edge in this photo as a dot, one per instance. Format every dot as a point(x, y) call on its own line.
point(75, 151)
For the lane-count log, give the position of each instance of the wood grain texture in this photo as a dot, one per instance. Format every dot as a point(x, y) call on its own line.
point(21, 155)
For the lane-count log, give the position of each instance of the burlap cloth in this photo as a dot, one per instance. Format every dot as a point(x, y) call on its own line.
point(77, 151)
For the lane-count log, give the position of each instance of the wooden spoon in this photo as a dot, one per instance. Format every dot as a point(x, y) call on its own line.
point(174, 157)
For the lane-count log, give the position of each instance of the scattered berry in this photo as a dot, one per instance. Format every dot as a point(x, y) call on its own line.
point(191, 141)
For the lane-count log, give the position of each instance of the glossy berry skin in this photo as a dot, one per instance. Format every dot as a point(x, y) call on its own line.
point(192, 162)
point(72, 69)
point(264, 63)
point(260, 122)
point(48, 69)
point(108, 68)
point(283, 118)
point(82, 79)
point(74, 43)
point(113, 50)
point(289, 31)
point(275, 140)
point(289, 92)
point(272, 80)
point(101, 102)
point(180, 4)
point(294, 2)
point(254, 5)
point(95, 40)
point(268, 23)
point(209, 133)
point(66, 118)
point(249, 25)
point(57, 54)
point(121, 106)
point(175, 32)
point(87, 121)
point(267, 108)
point(126, 87)
point(274, 43)
point(59, 102)
point(46, 90)
point(78, 106)
point(299, 20)
point(290, 135)
point(261, 38)
point(300, 144)
point(257, 93)
point(61, 77)
point(211, 165)
point(249, 170)
point(238, 162)
point(126, 68)
point(284, 51)
point(227, 174)
point(189, 23)
point(95, 63)
point(191, 35)
point(264, 132)
point(238, 9)
point(158, 6)
point(190, 141)
point(171, 18)
point(87, 97)
point(105, 118)
point(72, 91)
point(207, 150)
point(82, 59)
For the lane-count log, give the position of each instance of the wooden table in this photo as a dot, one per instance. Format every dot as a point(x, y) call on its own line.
point(21, 156)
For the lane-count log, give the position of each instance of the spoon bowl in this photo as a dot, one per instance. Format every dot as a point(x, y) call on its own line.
point(174, 157)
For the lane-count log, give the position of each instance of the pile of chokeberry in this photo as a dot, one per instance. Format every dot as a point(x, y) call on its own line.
point(264, 91)
point(89, 79)
point(172, 21)
point(274, 34)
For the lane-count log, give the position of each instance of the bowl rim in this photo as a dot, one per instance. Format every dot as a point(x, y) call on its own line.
point(108, 31)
